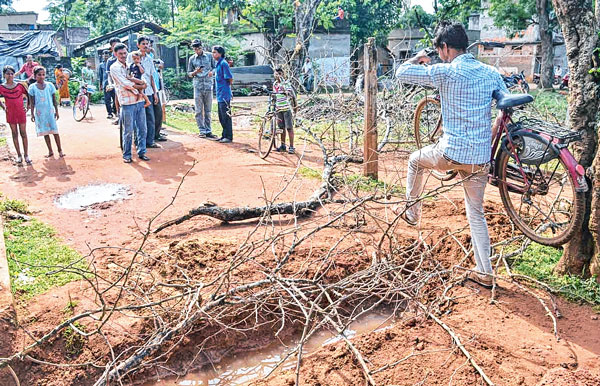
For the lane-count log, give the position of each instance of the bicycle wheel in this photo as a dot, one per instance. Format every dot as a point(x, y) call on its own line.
point(80, 107)
point(428, 129)
point(266, 136)
point(548, 212)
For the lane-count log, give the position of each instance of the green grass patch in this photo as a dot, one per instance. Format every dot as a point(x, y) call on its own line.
point(368, 184)
point(185, 122)
point(538, 261)
point(2, 141)
point(307, 172)
point(551, 104)
point(18, 206)
point(35, 256)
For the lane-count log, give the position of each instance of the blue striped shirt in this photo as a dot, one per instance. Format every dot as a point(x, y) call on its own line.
point(466, 86)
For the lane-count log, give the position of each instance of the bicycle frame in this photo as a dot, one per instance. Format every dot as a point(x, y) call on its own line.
point(501, 133)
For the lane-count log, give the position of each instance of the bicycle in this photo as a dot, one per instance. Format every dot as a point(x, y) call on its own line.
point(268, 133)
point(82, 103)
point(541, 184)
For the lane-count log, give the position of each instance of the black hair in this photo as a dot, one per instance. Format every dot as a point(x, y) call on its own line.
point(119, 47)
point(452, 34)
point(37, 69)
point(279, 70)
point(58, 66)
point(8, 67)
point(220, 50)
point(106, 52)
point(142, 38)
point(114, 40)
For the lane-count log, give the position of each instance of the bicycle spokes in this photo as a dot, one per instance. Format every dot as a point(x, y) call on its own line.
point(541, 199)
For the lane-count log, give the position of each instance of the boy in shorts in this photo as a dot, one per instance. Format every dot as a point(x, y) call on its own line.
point(135, 72)
point(285, 98)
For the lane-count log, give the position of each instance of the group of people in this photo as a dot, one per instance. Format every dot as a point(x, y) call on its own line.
point(39, 97)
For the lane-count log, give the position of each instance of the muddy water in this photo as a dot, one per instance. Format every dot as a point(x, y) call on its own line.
point(250, 366)
point(85, 196)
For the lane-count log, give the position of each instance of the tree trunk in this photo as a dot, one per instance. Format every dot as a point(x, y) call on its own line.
point(547, 68)
point(579, 26)
point(305, 23)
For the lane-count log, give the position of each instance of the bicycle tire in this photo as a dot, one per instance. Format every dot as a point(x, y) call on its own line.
point(577, 207)
point(266, 136)
point(427, 137)
point(83, 111)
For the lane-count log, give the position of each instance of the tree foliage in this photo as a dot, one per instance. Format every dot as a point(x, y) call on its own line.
point(371, 18)
point(103, 16)
point(517, 16)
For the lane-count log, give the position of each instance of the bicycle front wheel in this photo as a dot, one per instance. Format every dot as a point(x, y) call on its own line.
point(266, 136)
point(544, 204)
point(428, 129)
point(80, 107)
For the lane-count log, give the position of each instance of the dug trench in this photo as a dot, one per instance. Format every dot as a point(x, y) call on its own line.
point(512, 340)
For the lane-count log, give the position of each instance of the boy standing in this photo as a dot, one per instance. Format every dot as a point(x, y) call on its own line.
point(224, 81)
point(283, 93)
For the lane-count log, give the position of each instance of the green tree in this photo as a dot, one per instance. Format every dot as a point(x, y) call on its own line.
point(517, 16)
point(371, 18)
point(416, 17)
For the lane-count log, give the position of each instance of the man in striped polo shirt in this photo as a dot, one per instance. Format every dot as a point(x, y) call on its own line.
point(466, 87)
point(285, 98)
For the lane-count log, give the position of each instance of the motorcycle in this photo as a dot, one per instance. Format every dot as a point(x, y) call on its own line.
point(565, 82)
point(516, 82)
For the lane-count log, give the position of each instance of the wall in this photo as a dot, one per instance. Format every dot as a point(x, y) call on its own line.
point(29, 18)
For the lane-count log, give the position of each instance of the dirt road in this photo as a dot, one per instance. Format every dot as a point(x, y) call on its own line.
point(228, 175)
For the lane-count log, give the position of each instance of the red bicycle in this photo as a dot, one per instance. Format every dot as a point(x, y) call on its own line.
point(541, 184)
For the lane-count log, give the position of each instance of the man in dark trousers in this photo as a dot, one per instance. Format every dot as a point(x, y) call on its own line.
point(224, 80)
point(110, 87)
point(109, 96)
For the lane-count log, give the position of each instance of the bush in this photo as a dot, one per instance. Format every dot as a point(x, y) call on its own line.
point(97, 97)
point(179, 86)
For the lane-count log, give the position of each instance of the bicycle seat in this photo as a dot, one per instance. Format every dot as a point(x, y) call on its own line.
point(506, 100)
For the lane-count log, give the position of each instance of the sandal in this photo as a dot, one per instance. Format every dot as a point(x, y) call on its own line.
point(50, 155)
point(19, 160)
point(28, 160)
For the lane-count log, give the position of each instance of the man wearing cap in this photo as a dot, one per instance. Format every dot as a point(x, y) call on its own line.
point(200, 69)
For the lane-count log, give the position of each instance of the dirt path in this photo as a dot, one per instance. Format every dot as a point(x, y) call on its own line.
point(228, 175)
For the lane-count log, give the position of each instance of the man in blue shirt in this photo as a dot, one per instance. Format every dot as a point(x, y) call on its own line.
point(466, 87)
point(224, 80)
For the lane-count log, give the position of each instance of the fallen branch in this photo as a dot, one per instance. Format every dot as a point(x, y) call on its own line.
point(302, 208)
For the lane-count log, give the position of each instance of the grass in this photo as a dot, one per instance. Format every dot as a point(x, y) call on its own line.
point(538, 261)
point(3, 141)
point(362, 183)
point(185, 122)
point(552, 104)
point(36, 255)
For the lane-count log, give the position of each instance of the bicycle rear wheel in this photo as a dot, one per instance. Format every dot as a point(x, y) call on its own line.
point(267, 136)
point(549, 211)
point(428, 129)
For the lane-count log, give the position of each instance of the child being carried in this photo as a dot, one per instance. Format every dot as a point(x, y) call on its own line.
point(135, 72)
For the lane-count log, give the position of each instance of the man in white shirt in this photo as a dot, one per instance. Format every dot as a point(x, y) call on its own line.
point(143, 44)
point(132, 107)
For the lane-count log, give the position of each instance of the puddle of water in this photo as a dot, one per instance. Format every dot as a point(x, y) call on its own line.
point(254, 365)
point(86, 196)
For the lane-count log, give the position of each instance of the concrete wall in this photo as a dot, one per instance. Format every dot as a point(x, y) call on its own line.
point(28, 18)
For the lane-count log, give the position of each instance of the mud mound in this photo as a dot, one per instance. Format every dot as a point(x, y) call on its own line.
point(563, 377)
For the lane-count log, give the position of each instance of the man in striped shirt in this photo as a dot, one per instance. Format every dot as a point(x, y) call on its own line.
point(466, 87)
point(132, 108)
point(284, 93)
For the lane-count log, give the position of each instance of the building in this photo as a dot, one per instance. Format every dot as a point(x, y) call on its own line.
point(329, 50)
point(93, 48)
point(522, 51)
point(18, 21)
